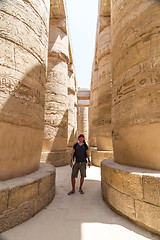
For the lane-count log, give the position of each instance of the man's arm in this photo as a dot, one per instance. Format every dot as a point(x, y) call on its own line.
point(71, 162)
point(89, 162)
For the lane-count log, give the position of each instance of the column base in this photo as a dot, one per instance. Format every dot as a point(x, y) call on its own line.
point(57, 159)
point(98, 156)
point(133, 193)
point(90, 149)
point(21, 198)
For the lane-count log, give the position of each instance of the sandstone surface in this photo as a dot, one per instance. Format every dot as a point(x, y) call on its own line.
point(135, 66)
point(24, 27)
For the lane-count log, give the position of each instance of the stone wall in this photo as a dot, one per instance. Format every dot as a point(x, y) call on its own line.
point(136, 99)
point(132, 192)
point(23, 42)
point(21, 198)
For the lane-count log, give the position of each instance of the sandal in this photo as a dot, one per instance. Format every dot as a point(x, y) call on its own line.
point(81, 192)
point(71, 192)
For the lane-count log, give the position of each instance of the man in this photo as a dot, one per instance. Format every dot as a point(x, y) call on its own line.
point(80, 150)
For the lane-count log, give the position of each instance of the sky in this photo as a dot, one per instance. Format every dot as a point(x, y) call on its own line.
point(82, 19)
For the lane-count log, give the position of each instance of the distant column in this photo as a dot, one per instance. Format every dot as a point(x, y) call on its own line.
point(83, 121)
point(72, 107)
point(103, 55)
point(83, 104)
point(56, 110)
point(93, 107)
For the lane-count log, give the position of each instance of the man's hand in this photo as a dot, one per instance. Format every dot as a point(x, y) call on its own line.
point(89, 164)
point(71, 164)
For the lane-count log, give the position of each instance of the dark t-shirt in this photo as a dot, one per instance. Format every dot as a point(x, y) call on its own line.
point(80, 152)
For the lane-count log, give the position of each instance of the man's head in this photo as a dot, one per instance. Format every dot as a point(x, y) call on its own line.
point(81, 137)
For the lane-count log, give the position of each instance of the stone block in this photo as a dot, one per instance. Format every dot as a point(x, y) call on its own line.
point(99, 156)
point(151, 189)
point(132, 185)
point(3, 200)
point(46, 184)
point(43, 200)
point(112, 176)
point(148, 215)
point(121, 202)
point(22, 194)
point(104, 188)
point(57, 159)
point(24, 200)
point(14, 217)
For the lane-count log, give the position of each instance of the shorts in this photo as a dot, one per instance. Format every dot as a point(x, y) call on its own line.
point(79, 166)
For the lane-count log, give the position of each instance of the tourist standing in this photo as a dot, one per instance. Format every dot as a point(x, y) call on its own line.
point(80, 154)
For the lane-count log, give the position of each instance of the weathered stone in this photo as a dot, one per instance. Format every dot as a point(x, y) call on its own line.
point(99, 156)
point(24, 43)
point(21, 198)
point(121, 202)
point(93, 106)
point(83, 104)
point(83, 121)
point(133, 192)
point(132, 185)
point(135, 65)
point(46, 184)
point(151, 189)
point(72, 106)
point(104, 137)
point(57, 159)
point(112, 176)
point(148, 215)
point(22, 194)
point(3, 200)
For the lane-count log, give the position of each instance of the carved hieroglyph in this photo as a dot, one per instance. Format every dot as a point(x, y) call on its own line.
point(136, 82)
point(24, 46)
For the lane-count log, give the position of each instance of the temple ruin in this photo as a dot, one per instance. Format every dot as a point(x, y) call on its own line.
point(43, 110)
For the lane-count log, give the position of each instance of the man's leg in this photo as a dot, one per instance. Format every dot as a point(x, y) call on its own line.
point(73, 178)
point(83, 175)
point(73, 184)
point(81, 183)
point(73, 181)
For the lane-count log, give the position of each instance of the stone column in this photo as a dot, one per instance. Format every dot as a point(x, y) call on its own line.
point(93, 106)
point(83, 121)
point(56, 106)
point(83, 104)
point(72, 107)
point(26, 186)
point(131, 183)
point(104, 128)
point(136, 79)
point(23, 44)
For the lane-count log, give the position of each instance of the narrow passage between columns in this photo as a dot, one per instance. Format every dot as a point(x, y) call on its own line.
point(77, 217)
